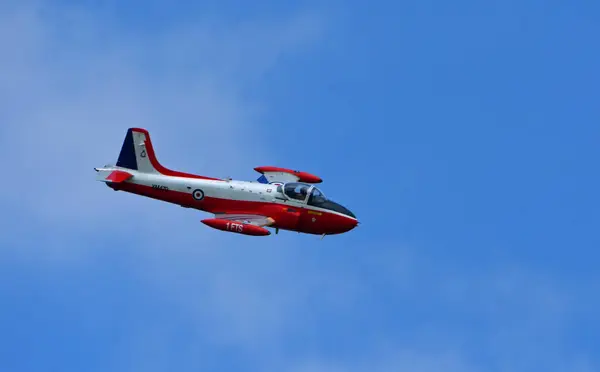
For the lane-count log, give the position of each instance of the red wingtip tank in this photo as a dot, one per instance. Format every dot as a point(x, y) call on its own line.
point(302, 176)
point(236, 227)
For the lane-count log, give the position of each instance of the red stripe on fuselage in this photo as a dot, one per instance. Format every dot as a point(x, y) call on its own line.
point(159, 167)
point(286, 217)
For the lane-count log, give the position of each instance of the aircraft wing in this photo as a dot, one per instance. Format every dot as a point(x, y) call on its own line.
point(251, 219)
point(283, 175)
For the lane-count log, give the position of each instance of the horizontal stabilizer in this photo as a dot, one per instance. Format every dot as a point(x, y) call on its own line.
point(113, 176)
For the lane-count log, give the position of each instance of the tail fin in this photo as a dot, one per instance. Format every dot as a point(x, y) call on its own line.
point(127, 158)
point(138, 154)
point(136, 151)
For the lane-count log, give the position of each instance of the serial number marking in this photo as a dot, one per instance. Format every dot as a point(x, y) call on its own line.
point(160, 187)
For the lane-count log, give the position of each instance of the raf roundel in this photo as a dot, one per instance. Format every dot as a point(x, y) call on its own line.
point(198, 194)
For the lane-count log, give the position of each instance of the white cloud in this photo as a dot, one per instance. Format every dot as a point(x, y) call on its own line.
point(72, 85)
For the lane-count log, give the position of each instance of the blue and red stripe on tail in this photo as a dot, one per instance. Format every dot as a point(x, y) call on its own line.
point(127, 158)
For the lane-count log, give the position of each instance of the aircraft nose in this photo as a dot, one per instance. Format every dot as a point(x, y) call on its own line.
point(350, 224)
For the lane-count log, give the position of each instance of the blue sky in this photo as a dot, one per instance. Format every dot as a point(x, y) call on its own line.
point(464, 135)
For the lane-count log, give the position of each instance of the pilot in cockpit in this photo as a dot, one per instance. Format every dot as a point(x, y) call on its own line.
point(303, 192)
point(297, 191)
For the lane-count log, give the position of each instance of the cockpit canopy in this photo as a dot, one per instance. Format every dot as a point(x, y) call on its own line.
point(296, 190)
point(311, 195)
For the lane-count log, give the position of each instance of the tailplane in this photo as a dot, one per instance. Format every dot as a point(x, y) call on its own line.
point(112, 176)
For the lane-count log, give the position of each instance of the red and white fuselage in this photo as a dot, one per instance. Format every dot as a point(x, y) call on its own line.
point(281, 199)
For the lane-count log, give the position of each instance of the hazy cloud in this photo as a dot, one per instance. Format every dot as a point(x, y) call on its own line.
point(71, 86)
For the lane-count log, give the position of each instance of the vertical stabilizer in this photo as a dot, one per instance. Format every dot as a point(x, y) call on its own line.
point(134, 154)
point(127, 158)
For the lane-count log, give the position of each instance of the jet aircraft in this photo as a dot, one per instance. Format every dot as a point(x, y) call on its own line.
point(281, 198)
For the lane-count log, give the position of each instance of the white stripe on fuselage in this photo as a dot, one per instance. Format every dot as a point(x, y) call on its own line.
point(232, 190)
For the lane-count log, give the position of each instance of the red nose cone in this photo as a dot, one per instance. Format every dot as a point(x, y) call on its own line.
point(352, 223)
point(341, 224)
